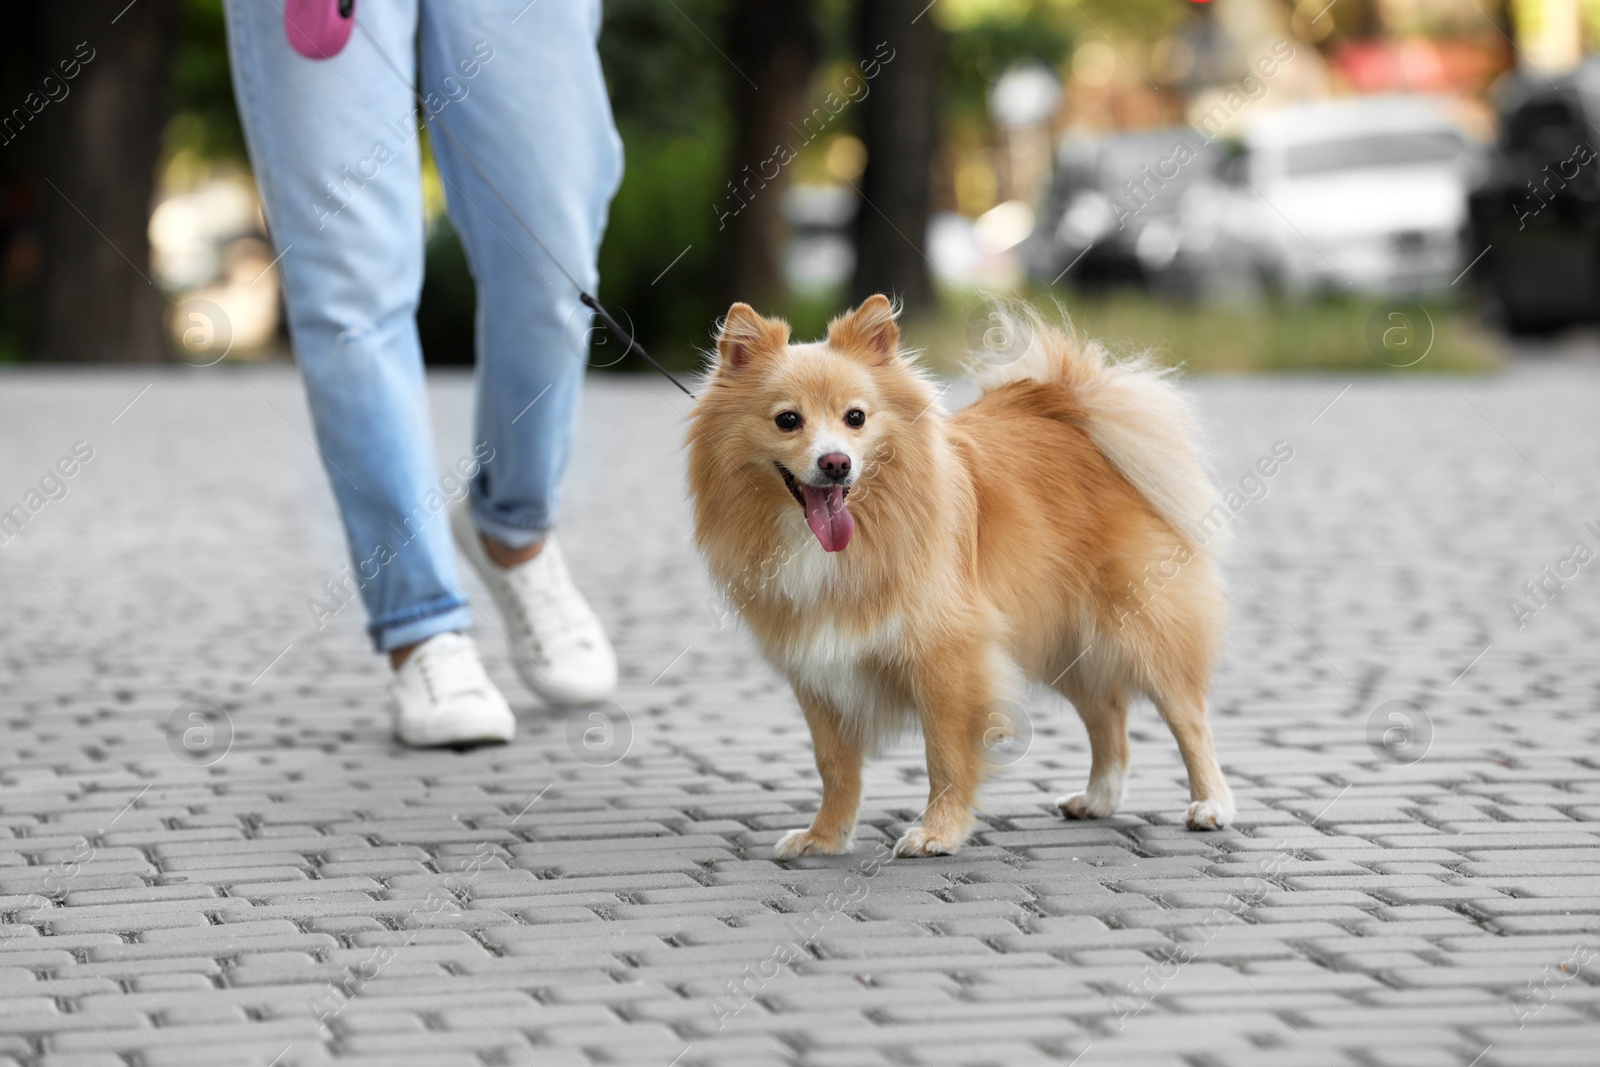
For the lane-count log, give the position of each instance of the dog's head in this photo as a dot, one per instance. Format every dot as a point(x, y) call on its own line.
point(805, 426)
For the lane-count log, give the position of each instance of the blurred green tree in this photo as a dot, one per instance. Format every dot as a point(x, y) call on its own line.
point(671, 91)
point(94, 151)
point(780, 45)
point(205, 121)
point(900, 127)
point(157, 83)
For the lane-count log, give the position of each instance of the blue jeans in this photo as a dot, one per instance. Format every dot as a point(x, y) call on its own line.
point(335, 153)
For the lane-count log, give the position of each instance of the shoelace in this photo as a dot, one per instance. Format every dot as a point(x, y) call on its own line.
point(424, 660)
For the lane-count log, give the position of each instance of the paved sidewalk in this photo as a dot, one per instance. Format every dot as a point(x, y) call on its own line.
point(1409, 884)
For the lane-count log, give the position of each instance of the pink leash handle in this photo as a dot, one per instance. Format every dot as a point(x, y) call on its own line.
point(319, 29)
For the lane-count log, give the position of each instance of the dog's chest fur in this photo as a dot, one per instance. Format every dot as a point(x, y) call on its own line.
point(854, 671)
point(854, 664)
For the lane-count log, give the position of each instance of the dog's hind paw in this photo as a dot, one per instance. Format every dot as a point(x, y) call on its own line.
point(920, 841)
point(1208, 814)
point(797, 843)
point(1085, 806)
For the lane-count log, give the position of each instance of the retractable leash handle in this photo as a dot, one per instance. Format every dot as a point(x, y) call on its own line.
point(319, 29)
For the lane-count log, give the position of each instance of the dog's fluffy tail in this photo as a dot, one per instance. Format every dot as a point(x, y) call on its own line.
point(1136, 416)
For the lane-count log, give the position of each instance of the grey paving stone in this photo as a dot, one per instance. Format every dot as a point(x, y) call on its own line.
point(1409, 907)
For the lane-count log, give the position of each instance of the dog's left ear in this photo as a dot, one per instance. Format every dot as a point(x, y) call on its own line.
point(869, 330)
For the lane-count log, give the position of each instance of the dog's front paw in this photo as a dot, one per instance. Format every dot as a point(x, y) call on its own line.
point(1087, 805)
point(921, 841)
point(1209, 814)
point(797, 843)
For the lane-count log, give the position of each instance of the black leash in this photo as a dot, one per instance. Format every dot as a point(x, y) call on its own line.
point(584, 296)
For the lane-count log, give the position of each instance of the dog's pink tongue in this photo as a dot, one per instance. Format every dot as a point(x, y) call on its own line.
point(827, 516)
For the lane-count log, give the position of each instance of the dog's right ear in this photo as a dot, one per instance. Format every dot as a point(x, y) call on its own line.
point(745, 336)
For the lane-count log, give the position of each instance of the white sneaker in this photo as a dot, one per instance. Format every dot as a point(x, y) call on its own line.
point(443, 696)
point(560, 649)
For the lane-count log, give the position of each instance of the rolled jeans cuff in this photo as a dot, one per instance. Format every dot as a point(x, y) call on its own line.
point(420, 623)
point(508, 533)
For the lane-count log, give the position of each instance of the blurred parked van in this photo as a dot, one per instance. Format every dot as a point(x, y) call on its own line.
point(1366, 194)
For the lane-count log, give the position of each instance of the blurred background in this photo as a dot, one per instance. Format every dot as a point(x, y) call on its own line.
point(1239, 184)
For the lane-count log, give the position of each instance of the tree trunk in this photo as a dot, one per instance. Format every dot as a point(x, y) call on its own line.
point(97, 149)
point(899, 124)
point(775, 45)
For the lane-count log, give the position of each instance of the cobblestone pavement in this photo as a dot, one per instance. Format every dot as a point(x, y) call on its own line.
point(1409, 884)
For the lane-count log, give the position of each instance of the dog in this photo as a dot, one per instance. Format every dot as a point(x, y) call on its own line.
point(907, 567)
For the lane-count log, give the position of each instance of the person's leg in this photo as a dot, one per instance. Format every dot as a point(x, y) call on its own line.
point(519, 86)
point(336, 157)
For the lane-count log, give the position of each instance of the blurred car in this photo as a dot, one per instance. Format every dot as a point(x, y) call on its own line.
point(819, 253)
point(1367, 194)
point(1108, 216)
point(1537, 209)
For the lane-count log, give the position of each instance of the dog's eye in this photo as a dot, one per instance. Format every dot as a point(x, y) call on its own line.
point(855, 417)
point(788, 420)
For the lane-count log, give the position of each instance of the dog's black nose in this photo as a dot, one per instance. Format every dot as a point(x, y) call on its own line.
point(835, 465)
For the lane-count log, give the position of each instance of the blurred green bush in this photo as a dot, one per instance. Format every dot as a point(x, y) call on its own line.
point(1330, 333)
point(669, 91)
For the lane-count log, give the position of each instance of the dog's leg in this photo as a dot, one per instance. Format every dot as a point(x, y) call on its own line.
point(839, 757)
point(953, 721)
point(1212, 801)
point(1105, 716)
point(1171, 648)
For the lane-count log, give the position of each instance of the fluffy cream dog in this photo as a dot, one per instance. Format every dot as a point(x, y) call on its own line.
point(906, 567)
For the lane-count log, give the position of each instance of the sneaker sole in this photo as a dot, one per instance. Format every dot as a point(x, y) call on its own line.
point(461, 737)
